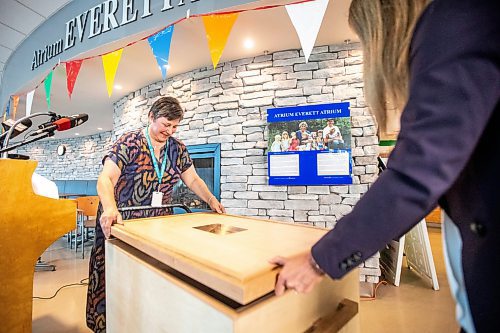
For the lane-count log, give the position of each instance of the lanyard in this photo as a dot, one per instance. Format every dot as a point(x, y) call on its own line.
point(159, 172)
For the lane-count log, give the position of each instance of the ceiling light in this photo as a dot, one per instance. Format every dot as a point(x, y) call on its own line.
point(99, 128)
point(118, 87)
point(248, 43)
point(77, 133)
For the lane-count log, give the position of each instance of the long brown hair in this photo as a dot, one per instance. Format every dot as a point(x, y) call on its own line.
point(385, 28)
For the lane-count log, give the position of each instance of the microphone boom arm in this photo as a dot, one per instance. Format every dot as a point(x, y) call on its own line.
point(20, 144)
point(11, 130)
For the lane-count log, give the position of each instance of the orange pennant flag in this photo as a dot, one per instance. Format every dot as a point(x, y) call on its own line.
point(15, 103)
point(110, 63)
point(218, 28)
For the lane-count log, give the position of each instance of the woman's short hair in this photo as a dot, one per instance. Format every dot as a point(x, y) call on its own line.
point(167, 107)
point(302, 123)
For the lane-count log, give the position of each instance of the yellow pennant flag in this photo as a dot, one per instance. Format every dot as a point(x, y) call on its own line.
point(218, 28)
point(110, 63)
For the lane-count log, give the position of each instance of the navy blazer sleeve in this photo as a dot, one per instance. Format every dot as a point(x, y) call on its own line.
point(454, 90)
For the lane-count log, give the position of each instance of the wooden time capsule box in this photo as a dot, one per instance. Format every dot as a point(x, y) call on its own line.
point(207, 272)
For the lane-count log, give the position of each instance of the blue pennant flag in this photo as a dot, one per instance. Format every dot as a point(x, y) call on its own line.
point(7, 111)
point(160, 44)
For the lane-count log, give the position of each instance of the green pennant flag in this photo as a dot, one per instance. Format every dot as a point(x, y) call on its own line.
point(48, 85)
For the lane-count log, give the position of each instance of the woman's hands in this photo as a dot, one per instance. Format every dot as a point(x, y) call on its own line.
point(108, 218)
point(298, 273)
point(215, 205)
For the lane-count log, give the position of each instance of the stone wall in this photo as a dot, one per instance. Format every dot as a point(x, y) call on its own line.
point(82, 159)
point(228, 105)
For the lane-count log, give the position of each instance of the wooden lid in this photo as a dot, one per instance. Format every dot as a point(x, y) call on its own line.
point(234, 264)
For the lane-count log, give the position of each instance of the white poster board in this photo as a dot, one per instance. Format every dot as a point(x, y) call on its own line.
point(391, 260)
point(417, 247)
point(419, 255)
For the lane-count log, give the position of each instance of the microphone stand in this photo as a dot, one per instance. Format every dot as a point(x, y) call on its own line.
point(23, 143)
point(11, 130)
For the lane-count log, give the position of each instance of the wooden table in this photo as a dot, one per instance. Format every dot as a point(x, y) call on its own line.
point(175, 274)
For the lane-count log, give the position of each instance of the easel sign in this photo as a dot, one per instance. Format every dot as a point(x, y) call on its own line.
point(417, 247)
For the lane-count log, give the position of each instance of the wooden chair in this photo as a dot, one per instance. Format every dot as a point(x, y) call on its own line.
point(73, 233)
point(88, 208)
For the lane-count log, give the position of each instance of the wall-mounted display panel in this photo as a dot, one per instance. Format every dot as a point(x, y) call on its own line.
point(310, 145)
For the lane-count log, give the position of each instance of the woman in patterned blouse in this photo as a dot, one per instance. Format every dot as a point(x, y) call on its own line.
point(130, 176)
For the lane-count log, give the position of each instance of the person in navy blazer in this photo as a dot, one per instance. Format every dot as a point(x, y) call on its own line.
point(439, 62)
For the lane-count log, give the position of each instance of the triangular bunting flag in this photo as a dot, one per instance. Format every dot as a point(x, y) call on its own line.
point(15, 103)
point(48, 86)
point(72, 70)
point(307, 18)
point(7, 110)
point(110, 63)
point(218, 28)
point(29, 101)
point(160, 45)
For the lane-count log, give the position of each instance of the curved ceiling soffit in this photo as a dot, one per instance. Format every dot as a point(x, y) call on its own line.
point(29, 63)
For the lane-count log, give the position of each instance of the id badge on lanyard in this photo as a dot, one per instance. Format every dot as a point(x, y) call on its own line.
point(157, 199)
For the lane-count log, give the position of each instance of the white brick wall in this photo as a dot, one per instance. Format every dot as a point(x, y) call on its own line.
point(229, 106)
point(83, 158)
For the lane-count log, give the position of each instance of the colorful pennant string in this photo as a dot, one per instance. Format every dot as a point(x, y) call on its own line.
point(29, 102)
point(160, 45)
point(15, 103)
point(218, 27)
point(48, 86)
point(72, 70)
point(110, 63)
point(7, 110)
point(307, 18)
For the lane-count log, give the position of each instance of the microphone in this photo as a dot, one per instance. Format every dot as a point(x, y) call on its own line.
point(20, 128)
point(48, 123)
point(62, 124)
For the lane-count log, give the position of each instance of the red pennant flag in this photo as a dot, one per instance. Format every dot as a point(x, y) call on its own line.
point(72, 70)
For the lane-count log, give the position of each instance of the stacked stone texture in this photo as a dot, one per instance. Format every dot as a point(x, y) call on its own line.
point(82, 161)
point(229, 105)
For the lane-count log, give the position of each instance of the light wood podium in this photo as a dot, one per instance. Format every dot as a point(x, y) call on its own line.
point(207, 272)
point(29, 223)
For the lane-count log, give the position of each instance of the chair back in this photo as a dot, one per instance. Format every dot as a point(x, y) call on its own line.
point(88, 205)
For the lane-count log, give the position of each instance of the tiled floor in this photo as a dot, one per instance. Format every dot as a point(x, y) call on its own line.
point(66, 311)
point(411, 307)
